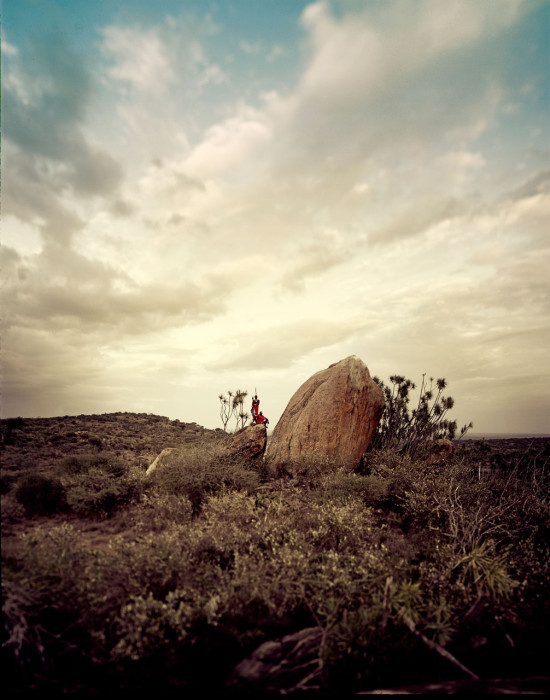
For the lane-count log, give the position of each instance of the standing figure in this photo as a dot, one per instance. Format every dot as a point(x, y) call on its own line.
point(255, 408)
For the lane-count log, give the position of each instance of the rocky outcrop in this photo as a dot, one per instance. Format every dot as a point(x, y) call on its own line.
point(282, 665)
point(246, 445)
point(334, 413)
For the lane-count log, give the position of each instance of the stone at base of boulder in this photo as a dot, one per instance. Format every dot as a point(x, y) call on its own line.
point(282, 665)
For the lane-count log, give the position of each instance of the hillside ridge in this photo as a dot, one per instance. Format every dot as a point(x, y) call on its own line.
point(131, 436)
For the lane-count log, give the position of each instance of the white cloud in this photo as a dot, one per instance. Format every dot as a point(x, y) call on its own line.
point(250, 47)
point(464, 159)
point(228, 144)
point(212, 74)
point(361, 52)
point(348, 56)
point(138, 57)
point(7, 48)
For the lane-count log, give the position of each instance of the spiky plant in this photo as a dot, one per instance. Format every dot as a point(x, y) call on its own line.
point(406, 430)
point(231, 406)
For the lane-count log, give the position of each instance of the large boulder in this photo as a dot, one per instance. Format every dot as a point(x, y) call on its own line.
point(334, 414)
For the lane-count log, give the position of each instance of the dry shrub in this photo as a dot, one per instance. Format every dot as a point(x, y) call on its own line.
point(198, 471)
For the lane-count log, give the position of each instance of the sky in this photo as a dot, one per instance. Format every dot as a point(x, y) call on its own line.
point(208, 196)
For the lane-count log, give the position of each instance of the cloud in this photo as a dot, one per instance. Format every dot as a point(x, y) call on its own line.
point(137, 57)
point(281, 346)
point(8, 49)
point(371, 99)
point(464, 159)
point(46, 153)
point(310, 261)
point(46, 92)
point(174, 210)
point(228, 144)
point(61, 289)
point(33, 195)
point(418, 219)
point(122, 208)
point(250, 47)
point(363, 54)
point(63, 313)
point(535, 185)
point(41, 371)
point(519, 219)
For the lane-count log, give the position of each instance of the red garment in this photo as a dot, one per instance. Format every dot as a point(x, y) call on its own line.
point(260, 419)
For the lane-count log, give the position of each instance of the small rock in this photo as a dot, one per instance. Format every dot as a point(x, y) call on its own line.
point(439, 451)
point(283, 665)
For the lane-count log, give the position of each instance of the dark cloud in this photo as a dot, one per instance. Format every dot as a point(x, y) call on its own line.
point(33, 195)
point(44, 104)
point(537, 184)
point(122, 208)
point(419, 218)
point(54, 97)
point(41, 370)
point(60, 310)
point(93, 171)
point(62, 289)
point(283, 345)
point(310, 261)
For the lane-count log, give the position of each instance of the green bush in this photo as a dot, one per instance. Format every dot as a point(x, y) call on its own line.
point(161, 511)
point(97, 493)
point(82, 464)
point(41, 495)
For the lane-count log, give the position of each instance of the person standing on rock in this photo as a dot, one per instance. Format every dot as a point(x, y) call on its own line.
point(255, 408)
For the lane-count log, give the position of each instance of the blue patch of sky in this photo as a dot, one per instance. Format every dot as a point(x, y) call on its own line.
point(521, 62)
point(261, 24)
point(258, 44)
point(245, 33)
point(515, 62)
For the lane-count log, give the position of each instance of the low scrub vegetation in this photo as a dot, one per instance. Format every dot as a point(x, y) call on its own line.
point(413, 572)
